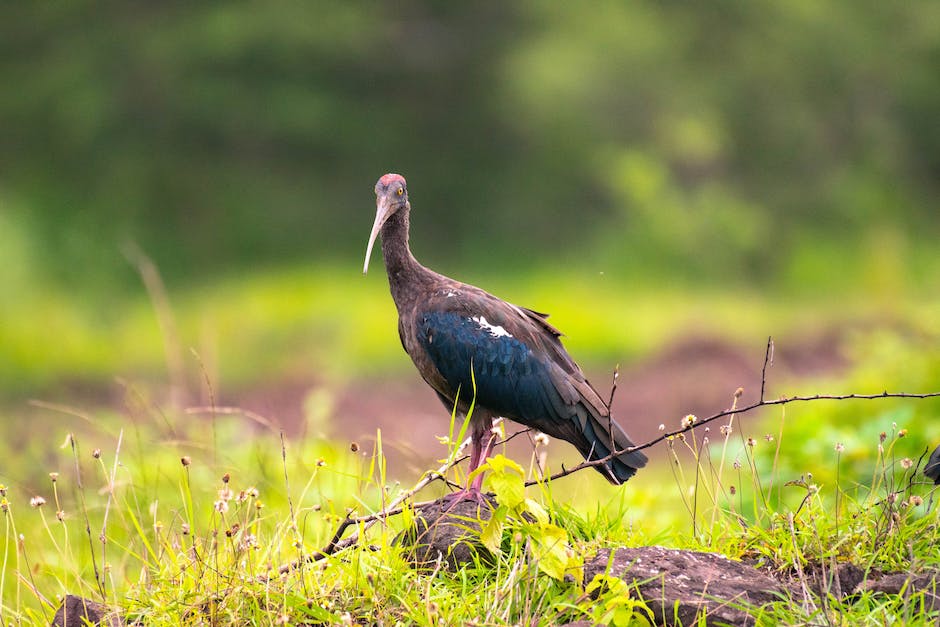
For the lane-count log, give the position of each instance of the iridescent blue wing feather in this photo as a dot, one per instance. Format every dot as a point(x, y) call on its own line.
point(511, 362)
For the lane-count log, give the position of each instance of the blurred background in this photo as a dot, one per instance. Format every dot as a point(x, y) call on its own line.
point(186, 194)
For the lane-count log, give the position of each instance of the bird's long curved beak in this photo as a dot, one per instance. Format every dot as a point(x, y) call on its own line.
point(382, 211)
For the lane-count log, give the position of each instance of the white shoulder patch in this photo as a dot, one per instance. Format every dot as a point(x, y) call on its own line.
point(492, 329)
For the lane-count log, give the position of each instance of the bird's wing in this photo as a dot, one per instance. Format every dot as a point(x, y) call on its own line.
point(511, 362)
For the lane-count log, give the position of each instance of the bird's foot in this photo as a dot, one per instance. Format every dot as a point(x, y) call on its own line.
point(468, 494)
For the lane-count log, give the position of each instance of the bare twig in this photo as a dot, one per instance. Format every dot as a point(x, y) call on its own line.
point(742, 410)
point(768, 360)
point(99, 576)
point(156, 290)
point(234, 411)
point(337, 543)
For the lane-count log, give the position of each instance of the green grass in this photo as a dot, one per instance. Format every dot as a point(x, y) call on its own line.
point(178, 544)
point(126, 521)
point(339, 324)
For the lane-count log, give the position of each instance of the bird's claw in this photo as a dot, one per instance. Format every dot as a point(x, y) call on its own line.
point(472, 495)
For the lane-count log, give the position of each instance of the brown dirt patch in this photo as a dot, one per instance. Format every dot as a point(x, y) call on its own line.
point(695, 375)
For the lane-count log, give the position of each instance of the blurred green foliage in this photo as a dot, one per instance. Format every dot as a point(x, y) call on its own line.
point(695, 141)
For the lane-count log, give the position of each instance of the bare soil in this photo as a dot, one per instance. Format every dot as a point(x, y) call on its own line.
point(695, 375)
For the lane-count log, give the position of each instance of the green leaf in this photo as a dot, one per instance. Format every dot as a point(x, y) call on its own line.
point(507, 480)
point(492, 533)
point(552, 552)
point(539, 512)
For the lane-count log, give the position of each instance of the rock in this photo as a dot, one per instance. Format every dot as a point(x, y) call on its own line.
point(679, 586)
point(909, 584)
point(839, 580)
point(77, 611)
point(447, 531)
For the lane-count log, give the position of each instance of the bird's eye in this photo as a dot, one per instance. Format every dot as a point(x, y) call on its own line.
point(400, 191)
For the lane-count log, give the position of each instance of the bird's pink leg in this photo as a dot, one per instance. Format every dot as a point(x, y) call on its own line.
point(481, 444)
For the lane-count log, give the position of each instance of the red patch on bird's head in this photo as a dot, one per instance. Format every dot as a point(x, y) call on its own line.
point(390, 178)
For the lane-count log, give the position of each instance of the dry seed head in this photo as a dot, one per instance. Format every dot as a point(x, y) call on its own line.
point(226, 478)
point(186, 460)
point(840, 447)
point(354, 447)
point(751, 442)
point(225, 494)
point(252, 492)
point(37, 501)
point(220, 506)
point(906, 463)
point(321, 462)
point(688, 421)
point(916, 500)
point(662, 427)
point(54, 476)
point(60, 515)
point(902, 433)
point(725, 430)
point(883, 436)
point(96, 453)
point(738, 392)
point(769, 437)
point(733, 490)
point(185, 529)
point(541, 439)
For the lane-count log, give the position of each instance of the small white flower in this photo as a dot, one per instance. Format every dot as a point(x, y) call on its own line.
point(37, 501)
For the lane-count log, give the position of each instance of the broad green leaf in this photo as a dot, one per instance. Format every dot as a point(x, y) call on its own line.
point(551, 551)
point(507, 480)
point(492, 533)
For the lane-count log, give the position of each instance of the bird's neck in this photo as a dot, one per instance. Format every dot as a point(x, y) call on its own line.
point(403, 269)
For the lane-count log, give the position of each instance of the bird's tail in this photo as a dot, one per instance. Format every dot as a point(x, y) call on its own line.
point(602, 437)
point(932, 469)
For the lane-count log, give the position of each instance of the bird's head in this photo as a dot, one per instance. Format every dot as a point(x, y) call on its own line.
point(391, 195)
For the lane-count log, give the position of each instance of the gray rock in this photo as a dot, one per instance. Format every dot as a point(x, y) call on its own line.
point(907, 584)
point(449, 532)
point(679, 586)
point(78, 611)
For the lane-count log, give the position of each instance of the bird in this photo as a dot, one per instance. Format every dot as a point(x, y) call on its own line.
point(490, 358)
point(932, 469)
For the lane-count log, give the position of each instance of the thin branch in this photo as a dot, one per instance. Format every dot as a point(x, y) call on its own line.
point(156, 290)
point(768, 359)
point(743, 410)
point(336, 544)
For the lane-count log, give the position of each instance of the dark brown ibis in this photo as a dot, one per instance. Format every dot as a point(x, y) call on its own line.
point(932, 469)
point(472, 347)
